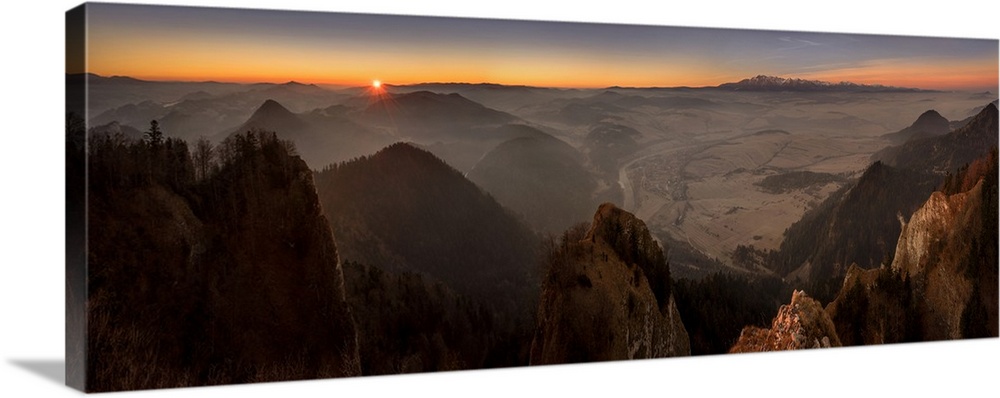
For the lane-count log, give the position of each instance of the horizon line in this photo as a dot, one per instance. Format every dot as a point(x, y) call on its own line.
point(484, 83)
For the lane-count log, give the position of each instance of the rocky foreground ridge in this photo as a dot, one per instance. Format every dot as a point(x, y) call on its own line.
point(942, 283)
point(800, 324)
point(607, 296)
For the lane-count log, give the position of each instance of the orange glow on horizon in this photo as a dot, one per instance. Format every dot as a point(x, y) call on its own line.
point(903, 73)
point(929, 78)
point(208, 61)
point(553, 77)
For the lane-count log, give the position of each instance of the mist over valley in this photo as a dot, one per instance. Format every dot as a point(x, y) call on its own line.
point(445, 226)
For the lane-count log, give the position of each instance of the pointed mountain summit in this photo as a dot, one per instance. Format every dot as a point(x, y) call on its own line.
point(946, 153)
point(272, 108)
point(929, 119)
point(273, 116)
point(929, 124)
point(321, 138)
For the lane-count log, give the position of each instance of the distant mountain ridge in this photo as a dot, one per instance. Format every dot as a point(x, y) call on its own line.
point(322, 137)
point(945, 153)
point(108, 93)
point(432, 110)
point(775, 83)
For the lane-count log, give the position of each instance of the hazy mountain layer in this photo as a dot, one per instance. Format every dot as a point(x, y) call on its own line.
point(193, 110)
point(109, 92)
point(228, 243)
point(542, 179)
point(322, 137)
point(405, 210)
point(425, 116)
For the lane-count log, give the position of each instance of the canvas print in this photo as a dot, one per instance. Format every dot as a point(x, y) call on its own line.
point(263, 195)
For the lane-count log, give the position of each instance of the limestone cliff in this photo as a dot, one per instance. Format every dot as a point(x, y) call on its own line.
point(942, 283)
point(921, 253)
point(937, 248)
point(606, 296)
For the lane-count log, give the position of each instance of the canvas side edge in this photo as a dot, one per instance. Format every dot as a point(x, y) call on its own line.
point(76, 195)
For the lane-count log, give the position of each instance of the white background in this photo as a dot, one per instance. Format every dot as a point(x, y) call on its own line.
point(31, 221)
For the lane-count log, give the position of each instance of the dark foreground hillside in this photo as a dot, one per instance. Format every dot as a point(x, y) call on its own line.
point(441, 276)
point(404, 209)
point(232, 277)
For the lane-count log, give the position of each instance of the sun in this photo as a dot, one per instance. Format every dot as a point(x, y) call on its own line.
point(377, 92)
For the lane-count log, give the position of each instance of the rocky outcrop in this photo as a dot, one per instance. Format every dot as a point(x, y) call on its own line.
point(938, 221)
point(942, 283)
point(800, 324)
point(934, 249)
point(606, 296)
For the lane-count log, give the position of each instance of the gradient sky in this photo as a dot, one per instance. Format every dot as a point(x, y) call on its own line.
point(182, 43)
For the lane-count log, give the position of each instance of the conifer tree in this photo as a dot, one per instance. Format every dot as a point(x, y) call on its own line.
point(154, 136)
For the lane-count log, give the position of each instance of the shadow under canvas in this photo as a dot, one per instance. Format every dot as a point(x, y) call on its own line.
point(50, 369)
